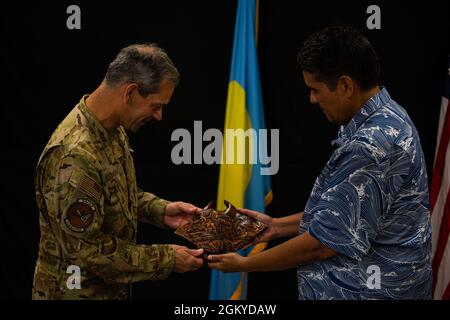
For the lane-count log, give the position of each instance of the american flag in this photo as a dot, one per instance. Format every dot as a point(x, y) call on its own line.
point(440, 201)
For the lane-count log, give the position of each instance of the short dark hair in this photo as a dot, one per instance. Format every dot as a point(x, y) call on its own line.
point(144, 64)
point(340, 50)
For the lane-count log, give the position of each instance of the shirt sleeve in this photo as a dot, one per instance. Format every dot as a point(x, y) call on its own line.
point(347, 216)
point(73, 192)
point(151, 209)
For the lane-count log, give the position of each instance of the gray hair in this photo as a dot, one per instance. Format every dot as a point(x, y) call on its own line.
point(144, 64)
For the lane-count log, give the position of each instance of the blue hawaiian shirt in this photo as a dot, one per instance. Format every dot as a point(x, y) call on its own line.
point(370, 204)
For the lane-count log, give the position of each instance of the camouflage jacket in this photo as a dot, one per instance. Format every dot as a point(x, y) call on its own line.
point(89, 206)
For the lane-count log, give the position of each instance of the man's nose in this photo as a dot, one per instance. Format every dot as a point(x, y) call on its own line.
point(312, 98)
point(157, 115)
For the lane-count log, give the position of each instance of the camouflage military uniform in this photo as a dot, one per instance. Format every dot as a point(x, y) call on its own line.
point(89, 206)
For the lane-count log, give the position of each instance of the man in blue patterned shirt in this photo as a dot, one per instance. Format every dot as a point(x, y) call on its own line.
point(365, 231)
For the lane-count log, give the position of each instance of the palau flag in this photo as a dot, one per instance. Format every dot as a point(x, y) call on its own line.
point(242, 183)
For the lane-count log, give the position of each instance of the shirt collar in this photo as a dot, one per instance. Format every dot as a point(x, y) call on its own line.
point(99, 130)
point(373, 104)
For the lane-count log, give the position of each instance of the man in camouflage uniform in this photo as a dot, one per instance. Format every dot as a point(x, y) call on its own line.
point(86, 188)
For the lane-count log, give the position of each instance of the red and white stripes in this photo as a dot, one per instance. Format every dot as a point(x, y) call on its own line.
point(440, 206)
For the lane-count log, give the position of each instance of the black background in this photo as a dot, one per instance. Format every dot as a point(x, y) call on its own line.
point(46, 68)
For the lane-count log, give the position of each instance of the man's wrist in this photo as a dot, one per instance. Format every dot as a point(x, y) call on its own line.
point(246, 264)
point(159, 211)
point(277, 226)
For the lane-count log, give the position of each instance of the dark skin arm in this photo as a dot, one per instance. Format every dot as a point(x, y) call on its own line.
point(302, 249)
point(276, 227)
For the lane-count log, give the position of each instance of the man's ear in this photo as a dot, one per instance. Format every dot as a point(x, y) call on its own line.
point(346, 86)
point(129, 92)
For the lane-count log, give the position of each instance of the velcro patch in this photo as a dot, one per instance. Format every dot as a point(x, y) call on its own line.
point(80, 215)
point(90, 187)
